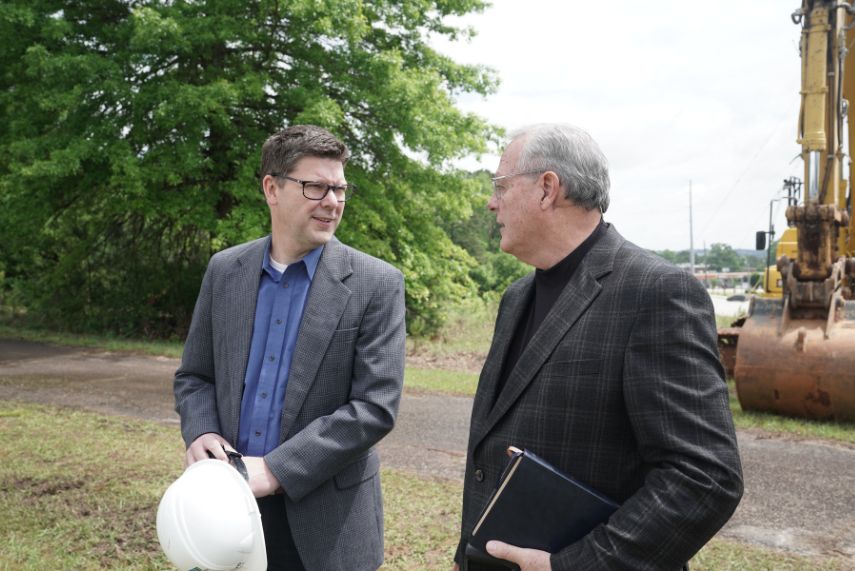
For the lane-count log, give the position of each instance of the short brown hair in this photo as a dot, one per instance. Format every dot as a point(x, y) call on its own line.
point(281, 151)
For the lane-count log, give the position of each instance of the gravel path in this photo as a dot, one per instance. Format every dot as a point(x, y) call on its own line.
point(799, 494)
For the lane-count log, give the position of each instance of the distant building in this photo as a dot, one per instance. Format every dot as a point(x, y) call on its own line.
point(725, 281)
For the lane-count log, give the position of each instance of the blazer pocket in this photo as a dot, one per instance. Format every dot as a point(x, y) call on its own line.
point(345, 331)
point(342, 342)
point(344, 335)
point(577, 368)
point(359, 471)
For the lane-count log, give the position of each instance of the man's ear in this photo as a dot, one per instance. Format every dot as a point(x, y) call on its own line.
point(268, 185)
point(551, 189)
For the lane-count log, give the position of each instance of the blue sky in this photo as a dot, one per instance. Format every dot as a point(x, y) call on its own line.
point(673, 91)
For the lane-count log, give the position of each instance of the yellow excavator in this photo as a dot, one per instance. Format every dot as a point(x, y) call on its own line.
point(795, 353)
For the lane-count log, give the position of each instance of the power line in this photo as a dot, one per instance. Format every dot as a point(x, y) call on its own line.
point(739, 178)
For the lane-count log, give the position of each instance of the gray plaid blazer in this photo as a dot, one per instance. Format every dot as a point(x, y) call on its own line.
point(622, 388)
point(342, 397)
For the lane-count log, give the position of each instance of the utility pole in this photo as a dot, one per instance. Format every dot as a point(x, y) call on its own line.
point(691, 234)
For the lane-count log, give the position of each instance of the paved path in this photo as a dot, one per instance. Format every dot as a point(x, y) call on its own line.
point(799, 495)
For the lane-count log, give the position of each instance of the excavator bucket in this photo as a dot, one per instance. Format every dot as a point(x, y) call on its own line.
point(797, 367)
point(728, 338)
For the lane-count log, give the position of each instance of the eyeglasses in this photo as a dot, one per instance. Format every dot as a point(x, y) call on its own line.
point(315, 190)
point(498, 190)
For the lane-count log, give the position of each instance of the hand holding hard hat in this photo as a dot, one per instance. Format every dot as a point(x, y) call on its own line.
point(208, 520)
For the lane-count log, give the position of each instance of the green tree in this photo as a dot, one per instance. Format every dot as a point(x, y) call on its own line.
point(721, 257)
point(681, 257)
point(131, 132)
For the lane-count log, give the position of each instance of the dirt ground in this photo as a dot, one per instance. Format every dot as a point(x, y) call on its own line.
point(799, 494)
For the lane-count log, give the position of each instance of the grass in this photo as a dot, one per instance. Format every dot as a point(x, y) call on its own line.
point(727, 555)
point(80, 491)
point(822, 430)
point(441, 381)
point(469, 329)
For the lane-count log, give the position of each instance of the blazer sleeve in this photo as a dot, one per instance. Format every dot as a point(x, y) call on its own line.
point(195, 393)
point(329, 443)
point(677, 403)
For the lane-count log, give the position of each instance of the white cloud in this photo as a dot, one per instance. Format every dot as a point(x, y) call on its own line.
point(673, 91)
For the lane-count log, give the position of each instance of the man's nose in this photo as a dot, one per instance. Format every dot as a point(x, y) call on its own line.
point(330, 199)
point(493, 203)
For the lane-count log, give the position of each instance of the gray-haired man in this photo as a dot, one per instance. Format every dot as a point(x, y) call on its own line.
point(604, 363)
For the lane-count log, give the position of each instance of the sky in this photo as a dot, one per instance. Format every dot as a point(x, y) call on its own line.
point(678, 94)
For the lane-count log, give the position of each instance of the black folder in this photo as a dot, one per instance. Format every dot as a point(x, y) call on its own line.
point(534, 506)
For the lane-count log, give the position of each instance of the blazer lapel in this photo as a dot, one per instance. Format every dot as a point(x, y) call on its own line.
point(240, 315)
point(513, 306)
point(327, 299)
point(578, 294)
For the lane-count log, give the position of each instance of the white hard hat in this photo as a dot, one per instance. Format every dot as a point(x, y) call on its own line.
point(208, 520)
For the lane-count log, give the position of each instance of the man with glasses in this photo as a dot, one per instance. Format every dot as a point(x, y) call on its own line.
point(604, 363)
point(295, 358)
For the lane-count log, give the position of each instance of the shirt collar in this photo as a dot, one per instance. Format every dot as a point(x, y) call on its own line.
point(310, 260)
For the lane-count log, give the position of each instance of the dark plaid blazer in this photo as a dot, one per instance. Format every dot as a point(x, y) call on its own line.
point(343, 392)
point(621, 387)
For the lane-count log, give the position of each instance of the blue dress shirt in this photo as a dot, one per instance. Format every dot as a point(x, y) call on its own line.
point(278, 312)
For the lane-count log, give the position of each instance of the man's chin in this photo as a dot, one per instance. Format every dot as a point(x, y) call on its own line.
point(322, 237)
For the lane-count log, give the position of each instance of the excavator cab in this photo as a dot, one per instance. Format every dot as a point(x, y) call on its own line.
point(796, 350)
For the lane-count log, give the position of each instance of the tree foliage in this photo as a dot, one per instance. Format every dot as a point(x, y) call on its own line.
point(720, 257)
point(723, 258)
point(131, 133)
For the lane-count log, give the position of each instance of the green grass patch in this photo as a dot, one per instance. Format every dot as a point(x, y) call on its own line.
point(422, 521)
point(727, 555)
point(80, 491)
point(441, 381)
point(822, 430)
point(469, 329)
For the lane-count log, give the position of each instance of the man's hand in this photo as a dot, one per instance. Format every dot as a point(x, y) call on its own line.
point(208, 442)
point(527, 559)
point(456, 567)
point(262, 482)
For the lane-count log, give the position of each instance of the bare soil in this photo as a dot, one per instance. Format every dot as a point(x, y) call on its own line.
point(466, 361)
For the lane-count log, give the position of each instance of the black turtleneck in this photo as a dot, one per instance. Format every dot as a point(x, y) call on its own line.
point(548, 285)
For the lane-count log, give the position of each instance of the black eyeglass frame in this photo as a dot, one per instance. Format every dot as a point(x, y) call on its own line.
point(348, 189)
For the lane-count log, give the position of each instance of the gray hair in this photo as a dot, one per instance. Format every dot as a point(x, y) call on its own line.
point(573, 155)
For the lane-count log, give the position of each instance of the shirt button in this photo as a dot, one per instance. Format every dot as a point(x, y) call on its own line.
point(285, 284)
point(257, 433)
point(264, 395)
point(479, 475)
point(272, 358)
point(278, 322)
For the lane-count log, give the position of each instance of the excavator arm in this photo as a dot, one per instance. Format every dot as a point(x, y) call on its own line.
point(796, 354)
